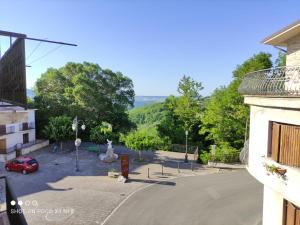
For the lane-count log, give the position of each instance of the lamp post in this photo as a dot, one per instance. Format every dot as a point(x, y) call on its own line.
point(186, 155)
point(78, 140)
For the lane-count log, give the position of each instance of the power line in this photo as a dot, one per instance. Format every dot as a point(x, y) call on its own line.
point(36, 47)
point(43, 56)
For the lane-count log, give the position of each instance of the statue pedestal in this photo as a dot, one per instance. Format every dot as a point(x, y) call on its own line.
point(109, 156)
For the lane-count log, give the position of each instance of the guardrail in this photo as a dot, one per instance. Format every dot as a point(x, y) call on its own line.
point(279, 81)
point(13, 211)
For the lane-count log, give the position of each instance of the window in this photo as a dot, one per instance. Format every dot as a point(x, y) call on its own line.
point(2, 129)
point(285, 144)
point(291, 214)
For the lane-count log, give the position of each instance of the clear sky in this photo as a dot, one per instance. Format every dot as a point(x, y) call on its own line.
point(152, 42)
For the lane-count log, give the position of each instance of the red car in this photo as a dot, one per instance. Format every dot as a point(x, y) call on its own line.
point(22, 164)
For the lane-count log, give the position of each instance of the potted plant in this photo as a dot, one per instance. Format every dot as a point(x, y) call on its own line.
point(113, 173)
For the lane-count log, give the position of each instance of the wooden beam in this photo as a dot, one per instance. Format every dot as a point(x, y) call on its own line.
point(54, 42)
point(12, 34)
point(19, 35)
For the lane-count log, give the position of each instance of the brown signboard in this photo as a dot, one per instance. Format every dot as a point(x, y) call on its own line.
point(125, 165)
point(13, 74)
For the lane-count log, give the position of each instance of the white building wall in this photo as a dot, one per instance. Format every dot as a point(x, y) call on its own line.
point(273, 207)
point(293, 51)
point(275, 189)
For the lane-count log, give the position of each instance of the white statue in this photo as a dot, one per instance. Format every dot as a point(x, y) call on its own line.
point(109, 156)
point(109, 144)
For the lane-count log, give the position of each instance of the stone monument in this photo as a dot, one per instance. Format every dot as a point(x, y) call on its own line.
point(109, 156)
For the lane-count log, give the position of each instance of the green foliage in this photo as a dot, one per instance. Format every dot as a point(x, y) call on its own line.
point(85, 90)
point(59, 128)
point(102, 132)
point(147, 115)
point(225, 114)
point(204, 157)
point(224, 153)
point(188, 107)
point(183, 113)
point(281, 59)
point(170, 125)
point(143, 139)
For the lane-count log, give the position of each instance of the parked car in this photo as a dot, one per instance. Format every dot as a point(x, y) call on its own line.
point(22, 164)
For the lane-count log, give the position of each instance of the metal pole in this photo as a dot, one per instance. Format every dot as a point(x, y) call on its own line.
point(178, 167)
point(77, 166)
point(148, 173)
point(186, 156)
point(162, 170)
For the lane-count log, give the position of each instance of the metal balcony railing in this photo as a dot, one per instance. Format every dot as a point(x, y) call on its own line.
point(279, 81)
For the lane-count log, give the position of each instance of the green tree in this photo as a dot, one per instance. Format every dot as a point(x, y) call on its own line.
point(102, 132)
point(190, 104)
point(59, 129)
point(183, 113)
point(281, 59)
point(86, 90)
point(225, 114)
point(143, 139)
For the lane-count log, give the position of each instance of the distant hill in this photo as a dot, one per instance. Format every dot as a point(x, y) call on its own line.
point(146, 100)
point(147, 115)
point(139, 100)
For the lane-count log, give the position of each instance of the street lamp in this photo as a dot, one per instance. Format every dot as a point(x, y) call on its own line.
point(75, 125)
point(186, 152)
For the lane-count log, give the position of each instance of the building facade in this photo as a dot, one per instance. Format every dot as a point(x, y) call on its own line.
point(274, 137)
point(17, 131)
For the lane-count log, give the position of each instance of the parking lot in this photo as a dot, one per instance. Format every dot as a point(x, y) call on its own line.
point(57, 194)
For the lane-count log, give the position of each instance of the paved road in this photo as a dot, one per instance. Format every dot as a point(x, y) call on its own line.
point(229, 198)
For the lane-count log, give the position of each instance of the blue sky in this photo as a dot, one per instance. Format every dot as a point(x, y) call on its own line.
point(152, 42)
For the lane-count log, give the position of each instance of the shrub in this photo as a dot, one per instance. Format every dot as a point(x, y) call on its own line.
point(203, 157)
point(143, 139)
point(225, 154)
point(59, 129)
point(102, 132)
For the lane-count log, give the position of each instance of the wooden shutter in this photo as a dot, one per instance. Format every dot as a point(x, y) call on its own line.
point(292, 214)
point(289, 153)
point(2, 146)
point(275, 141)
point(297, 222)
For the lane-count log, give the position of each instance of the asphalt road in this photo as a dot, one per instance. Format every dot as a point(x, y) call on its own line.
point(229, 198)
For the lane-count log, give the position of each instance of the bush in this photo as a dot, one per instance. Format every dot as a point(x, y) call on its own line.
point(59, 129)
point(143, 139)
point(102, 132)
point(224, 153)
point(203, 157)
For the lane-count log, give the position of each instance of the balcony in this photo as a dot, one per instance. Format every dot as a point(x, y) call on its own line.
point(277, 82)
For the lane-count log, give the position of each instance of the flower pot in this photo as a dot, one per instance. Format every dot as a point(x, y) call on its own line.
point(280, 171)
point(112, 174)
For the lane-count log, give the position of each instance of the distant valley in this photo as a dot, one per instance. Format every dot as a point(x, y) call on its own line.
point(139, 100)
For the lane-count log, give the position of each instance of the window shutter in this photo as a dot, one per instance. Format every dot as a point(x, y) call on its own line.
point(275, 141)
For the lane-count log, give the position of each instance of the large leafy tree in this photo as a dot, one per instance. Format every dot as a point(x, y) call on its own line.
point(59, 129)
point(226, 115)
point(86, 90)
point(183, 113)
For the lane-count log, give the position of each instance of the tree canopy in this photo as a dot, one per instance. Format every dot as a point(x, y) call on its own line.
point(86, 90)
point(226, 115)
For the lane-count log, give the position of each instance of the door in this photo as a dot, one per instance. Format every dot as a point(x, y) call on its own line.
point(25, 138)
